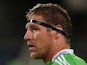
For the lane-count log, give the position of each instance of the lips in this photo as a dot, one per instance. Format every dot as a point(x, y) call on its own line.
point(31, 46)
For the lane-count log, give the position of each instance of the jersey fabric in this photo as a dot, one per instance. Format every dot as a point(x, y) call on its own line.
point(66, 57)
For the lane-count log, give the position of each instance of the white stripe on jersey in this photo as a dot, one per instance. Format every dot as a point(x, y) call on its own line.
point(61, 60)
point(71, 51)
point(58, 62)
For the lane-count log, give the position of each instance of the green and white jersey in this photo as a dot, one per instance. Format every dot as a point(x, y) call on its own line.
point(66, 57)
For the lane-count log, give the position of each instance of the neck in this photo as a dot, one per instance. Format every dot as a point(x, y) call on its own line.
point(53, 52)
point(55, 49)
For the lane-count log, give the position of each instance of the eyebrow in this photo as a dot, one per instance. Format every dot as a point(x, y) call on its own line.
point(31, 25)
point(47, 26)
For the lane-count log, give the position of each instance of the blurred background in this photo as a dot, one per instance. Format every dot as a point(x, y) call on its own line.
point(13, 48)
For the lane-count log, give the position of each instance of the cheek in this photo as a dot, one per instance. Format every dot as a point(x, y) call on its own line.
point(43, 44)
point(43, 40)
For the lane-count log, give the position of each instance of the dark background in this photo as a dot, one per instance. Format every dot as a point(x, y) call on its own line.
point(12, 26)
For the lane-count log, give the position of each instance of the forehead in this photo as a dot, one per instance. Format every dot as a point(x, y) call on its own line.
point(36, 24)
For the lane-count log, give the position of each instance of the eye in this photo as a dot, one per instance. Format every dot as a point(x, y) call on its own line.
point(34, 29)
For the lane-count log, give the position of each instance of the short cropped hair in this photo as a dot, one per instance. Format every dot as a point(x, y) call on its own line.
point(53, 14)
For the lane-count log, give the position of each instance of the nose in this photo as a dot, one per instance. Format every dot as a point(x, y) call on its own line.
point(28, 35)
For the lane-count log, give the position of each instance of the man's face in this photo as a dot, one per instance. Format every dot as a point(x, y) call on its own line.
point(38, 38)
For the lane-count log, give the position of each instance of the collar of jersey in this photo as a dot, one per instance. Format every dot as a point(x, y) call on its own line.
point(71, 51)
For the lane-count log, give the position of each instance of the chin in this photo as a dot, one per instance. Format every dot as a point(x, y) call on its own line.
point(34, 56)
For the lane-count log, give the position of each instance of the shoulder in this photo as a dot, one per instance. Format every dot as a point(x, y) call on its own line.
point(68, 59)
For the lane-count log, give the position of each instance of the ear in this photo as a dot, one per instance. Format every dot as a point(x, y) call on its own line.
point(56, 34)
point(59, 27)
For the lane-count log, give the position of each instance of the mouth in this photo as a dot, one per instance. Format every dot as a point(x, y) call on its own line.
point(32, 48)
point(31, 45)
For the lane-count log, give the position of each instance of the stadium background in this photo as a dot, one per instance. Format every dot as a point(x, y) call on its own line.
point(13, 48)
